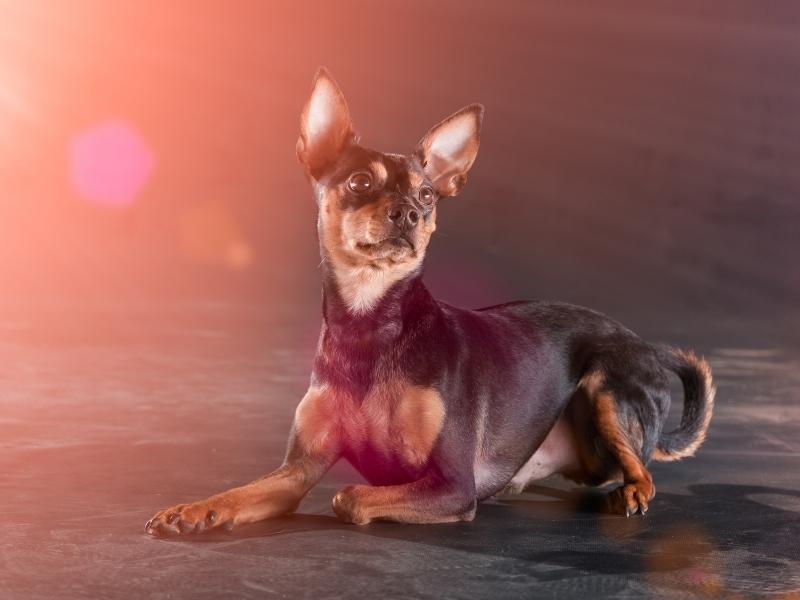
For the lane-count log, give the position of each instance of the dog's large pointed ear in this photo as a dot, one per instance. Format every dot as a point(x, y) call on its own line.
point(325, 126)
point(448, 150)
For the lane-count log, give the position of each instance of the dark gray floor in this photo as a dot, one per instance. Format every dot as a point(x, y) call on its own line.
point(109, 414)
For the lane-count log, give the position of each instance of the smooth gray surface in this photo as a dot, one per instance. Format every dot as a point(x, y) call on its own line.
point(112, 412)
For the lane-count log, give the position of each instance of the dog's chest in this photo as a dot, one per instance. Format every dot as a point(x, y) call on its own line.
point(394, 424)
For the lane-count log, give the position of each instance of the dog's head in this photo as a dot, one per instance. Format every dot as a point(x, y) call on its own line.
point(377, 211)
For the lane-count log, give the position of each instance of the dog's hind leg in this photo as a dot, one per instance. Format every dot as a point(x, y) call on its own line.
point(622, 436)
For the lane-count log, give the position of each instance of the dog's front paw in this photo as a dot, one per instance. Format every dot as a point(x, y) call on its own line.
point(348, 508)
point(190, 518)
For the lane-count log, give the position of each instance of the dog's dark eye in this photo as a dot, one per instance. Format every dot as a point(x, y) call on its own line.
point(360, 182)
point(426, 195)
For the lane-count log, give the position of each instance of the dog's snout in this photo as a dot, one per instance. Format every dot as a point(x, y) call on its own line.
point(403, 215)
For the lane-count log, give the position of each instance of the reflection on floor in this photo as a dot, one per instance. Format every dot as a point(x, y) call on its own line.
point(107, 417)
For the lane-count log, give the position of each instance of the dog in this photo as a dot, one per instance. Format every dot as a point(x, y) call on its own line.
point(440, 407)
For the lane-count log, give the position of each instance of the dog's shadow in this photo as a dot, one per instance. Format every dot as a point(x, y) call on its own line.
point(572, 529)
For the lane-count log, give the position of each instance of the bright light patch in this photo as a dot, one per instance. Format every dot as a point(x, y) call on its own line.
point(110, 163)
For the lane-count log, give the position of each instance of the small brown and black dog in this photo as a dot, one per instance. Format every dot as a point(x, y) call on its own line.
point(440, 407)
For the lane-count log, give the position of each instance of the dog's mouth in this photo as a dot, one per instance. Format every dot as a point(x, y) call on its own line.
point(397, 242)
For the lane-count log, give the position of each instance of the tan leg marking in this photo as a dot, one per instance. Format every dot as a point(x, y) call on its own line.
point(313, 448)
point(317, 421)
point(637, 489)
point(278, 493)
point(417, 502)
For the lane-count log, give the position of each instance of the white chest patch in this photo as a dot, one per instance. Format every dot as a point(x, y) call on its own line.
point(363, 287)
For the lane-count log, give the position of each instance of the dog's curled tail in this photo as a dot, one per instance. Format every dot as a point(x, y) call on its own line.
point(698, 404)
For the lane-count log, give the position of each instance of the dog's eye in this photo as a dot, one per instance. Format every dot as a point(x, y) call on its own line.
point(360, 182)
point(426, 195)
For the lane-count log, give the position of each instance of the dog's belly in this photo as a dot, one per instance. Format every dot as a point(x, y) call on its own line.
point(557, 454)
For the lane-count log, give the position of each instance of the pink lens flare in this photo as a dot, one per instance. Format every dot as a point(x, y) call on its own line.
point(110, 163)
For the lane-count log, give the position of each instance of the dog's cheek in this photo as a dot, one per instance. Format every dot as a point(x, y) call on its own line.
point(373, 227)
point(378, 228)
point(334, 230)
point(329, 215)
point(366, 225)
point(425, 232)
point(352, 231)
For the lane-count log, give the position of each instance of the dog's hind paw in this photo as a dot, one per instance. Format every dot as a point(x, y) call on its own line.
point(631, 498)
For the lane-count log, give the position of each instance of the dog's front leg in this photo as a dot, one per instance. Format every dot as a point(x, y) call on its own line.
point(275, 494)
point(313, 447)
point(427, 500)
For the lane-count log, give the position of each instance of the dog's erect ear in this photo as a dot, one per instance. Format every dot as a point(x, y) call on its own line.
point(325, 127)
point(448, 150)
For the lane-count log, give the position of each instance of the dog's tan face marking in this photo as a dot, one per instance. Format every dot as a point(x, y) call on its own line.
point(367, 252)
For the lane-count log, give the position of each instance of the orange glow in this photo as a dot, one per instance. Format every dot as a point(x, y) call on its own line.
point(210, 234)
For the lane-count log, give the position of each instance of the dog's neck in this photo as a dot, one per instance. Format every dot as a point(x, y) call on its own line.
point(353, 346)
point(380, 321)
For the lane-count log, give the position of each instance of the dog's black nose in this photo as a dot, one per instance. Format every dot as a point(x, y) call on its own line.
point(403, 215)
